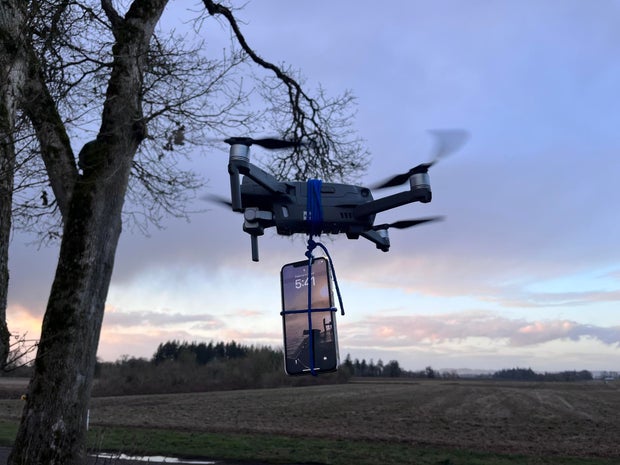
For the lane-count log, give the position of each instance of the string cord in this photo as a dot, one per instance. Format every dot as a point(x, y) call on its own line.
point(310, 331)
point(314, 218)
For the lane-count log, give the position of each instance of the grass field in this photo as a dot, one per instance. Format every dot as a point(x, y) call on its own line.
point(421, 422)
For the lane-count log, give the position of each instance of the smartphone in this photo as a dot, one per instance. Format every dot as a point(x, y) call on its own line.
point(296, 327)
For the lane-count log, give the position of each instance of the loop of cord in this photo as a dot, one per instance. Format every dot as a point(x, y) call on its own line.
point(310, 332)
point(312, 244)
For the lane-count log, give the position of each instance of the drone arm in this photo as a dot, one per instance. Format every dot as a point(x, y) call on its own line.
point(392, 201)
point(257, 175)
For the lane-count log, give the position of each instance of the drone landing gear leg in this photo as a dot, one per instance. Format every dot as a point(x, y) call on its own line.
point(254, 240)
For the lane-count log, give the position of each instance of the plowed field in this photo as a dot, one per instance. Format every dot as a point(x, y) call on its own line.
point(567, 419)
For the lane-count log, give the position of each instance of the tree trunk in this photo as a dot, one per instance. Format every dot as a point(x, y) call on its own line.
point(7, 168)
point(53, 425)
point(12, 80)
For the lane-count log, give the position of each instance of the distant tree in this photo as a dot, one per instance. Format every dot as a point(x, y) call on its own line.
point(204, 353)
point(363, 368)
point(166, 351)
point(372, 368)
point(357, 367)
point(348, 364)
point(380, 367)
point(430, 373)
point(392, 369)
point(234, 350)
point(518, 374)
point(220, 350)
point(450, 375)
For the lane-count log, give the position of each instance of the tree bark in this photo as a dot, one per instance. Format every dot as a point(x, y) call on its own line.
point(53, 425)
point(12, 79)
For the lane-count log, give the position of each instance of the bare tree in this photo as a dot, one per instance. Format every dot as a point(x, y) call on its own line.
point(126, 78)
point(52, 429)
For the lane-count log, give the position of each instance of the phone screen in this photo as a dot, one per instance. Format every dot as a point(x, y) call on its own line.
point(295, 283)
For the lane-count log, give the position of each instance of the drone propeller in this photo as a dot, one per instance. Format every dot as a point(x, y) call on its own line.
point(270, 143)
point(403, 224)
point(217, 199)
point(446, 142)
point(403, 177)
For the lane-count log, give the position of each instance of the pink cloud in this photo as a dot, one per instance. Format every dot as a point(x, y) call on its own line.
point(399, 331)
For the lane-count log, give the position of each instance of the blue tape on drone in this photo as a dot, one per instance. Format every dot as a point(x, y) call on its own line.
point(314, 207)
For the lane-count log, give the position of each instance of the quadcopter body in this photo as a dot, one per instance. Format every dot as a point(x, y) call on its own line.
point(345, 209)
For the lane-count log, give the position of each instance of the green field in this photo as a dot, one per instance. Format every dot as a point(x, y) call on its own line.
point(421, 422)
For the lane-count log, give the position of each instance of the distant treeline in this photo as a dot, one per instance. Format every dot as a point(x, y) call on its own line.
point(196, 367)
point(192, 367)
point(527, 374)
point(203, 353)
point(391, 369)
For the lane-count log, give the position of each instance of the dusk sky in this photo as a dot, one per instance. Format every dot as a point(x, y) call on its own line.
point(524, 271)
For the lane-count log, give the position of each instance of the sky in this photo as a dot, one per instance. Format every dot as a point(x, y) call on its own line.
point(525, 269)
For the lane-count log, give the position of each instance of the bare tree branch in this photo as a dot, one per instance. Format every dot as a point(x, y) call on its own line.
point(55, 145)
point(321, 122)
point(20, 351)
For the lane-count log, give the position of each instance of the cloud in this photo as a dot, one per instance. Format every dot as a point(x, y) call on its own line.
point(22, 320)
point(114, 317)
point(139, 333)
point(115, 342)
point(423, 330)
point(555, 299)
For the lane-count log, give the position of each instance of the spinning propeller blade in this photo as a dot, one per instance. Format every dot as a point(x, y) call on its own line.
point(270, 143)
point(446, 142)
point(217, 199)
point(403, 224)
point(403, 177)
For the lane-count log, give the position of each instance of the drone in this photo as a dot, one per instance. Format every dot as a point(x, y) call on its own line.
point(345, 209)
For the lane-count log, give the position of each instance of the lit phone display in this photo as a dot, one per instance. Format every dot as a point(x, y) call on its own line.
point(295, 285)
